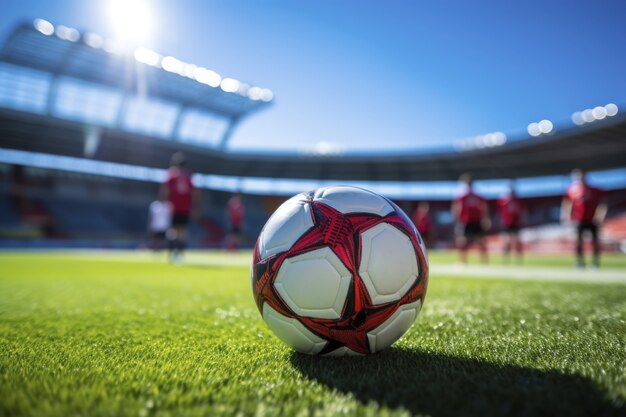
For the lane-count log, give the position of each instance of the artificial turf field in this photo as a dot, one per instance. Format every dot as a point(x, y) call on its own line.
point(125, 334)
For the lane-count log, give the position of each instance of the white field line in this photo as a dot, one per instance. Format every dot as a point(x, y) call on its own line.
point(514, 272)
point(198, 258)
point(529, 273)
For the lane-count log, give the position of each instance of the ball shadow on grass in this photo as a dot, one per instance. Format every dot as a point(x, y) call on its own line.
point(442, 385)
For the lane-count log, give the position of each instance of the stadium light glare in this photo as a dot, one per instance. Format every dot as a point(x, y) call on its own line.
point(67, 33)
point(208, 77)
point(113, 47)
point(267, 94)
point(489, 140)
point(117, 46)
point(93, 40)
point(229, 85)
point(545, 126)
point(254, 93)
point(611, 109)
point(189, 69)
point(325, 148)
point(599, 112)
point(243, 89)
point(577, 118)
point(587, 116)
point(148, 57)
point(171, 64)
point(533, 129)
point(43, 26)
point(73, 35)
point(132, 20)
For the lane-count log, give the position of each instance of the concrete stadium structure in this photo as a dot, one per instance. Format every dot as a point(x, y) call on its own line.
point(87, 129)
point(51, 77)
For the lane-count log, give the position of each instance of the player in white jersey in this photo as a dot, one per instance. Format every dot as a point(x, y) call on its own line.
point(159, 221)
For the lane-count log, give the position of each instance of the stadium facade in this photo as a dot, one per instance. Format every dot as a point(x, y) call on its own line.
point(80, 115)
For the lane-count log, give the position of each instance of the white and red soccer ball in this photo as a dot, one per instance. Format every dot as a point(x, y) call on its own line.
point(339, 270)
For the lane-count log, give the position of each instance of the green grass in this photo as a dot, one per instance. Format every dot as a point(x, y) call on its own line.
point(124, 335)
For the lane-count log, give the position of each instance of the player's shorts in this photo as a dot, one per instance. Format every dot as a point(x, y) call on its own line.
point(158, 235)
point(235, 229)
point(470, 231)
point(587, 226)
point(512, 228)
point(180, 219)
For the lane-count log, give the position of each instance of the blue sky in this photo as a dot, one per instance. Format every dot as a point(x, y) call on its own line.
point(387, 74)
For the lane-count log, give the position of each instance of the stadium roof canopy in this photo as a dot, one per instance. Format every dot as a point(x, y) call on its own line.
point(598, 146)
point(72, 94)
point(79, 67)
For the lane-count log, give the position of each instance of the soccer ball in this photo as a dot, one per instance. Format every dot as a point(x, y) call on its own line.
point(339, 271)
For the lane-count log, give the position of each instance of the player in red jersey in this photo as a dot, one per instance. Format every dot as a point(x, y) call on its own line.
point(471, 214)
point(423, 221)
point(582, 205)
point(511, 210)
point(236, 215)
point(179, 190)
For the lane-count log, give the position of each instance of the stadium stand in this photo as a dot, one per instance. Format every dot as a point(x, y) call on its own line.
point(82, 150)
point(9, 217)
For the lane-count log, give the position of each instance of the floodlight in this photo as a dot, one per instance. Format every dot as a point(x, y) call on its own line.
point(545, 126)
point(611, 109)
point(230, 85)
point(533, 129)
point(44, 27)
point(132, 20)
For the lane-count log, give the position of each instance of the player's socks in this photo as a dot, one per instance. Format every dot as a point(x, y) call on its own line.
point(180, 246)
point(171, 245)
point(174, 250)
point(580, 263)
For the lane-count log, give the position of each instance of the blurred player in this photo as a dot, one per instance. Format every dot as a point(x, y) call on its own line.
point(582, 205)
point(471, 214)
point(236, 215)
point(184, 198)
point(511, 210)
point(160, 218)
point(423, 222)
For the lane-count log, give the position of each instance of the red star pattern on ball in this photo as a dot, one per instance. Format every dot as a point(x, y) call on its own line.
point(341, 232)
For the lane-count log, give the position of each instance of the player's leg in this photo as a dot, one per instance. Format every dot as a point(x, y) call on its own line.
point(596, 245)
point(176, 242)
point(507, 241)
point(580, 258)
point(182, 239)
point(482, 247)
point(174, 236)
point(237, 238)
point(157, 242)
point(477, 235)
point(171, 237)
point(462, 242)
point(427, 238)
point(462, 245)
point(519, 249)
point(232, 240)
point(152, 240)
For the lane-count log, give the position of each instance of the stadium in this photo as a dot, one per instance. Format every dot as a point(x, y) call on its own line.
point(96, 320)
